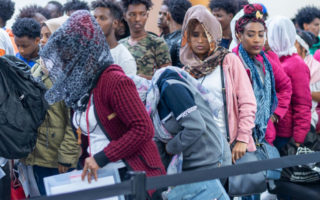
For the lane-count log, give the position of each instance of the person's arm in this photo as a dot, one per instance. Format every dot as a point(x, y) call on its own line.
point(69, 150)
point(301, 101)
point(180, 102)
point(247, 106)
point(315, 96)
point(128, 107)
point(283, 88)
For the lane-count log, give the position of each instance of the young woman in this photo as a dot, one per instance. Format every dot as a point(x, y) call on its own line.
point(182, 111)
point(202, 58)
point(106, 104)
point(304, 42)
point(268, 80)
point(296, 122)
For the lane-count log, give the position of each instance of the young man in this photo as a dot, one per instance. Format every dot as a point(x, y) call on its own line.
point(36, 12)
point(109, 15)
point(162, 22)
point(74, 5)
point(176, 11)
point(27, 38)
point(55, 8)
point(149, 51)
point(308, 19)
point(224, 10)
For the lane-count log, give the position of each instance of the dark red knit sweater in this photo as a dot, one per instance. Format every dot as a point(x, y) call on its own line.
point(126, 122)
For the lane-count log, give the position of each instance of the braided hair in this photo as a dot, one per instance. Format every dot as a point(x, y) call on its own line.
point(252, 13)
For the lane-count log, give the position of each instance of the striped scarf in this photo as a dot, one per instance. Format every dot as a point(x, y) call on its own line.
point(265, 93)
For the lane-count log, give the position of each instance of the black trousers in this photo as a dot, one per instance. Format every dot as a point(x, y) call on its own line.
point(5, 189)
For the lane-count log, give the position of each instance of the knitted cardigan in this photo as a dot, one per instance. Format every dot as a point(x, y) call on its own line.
point(123, 117)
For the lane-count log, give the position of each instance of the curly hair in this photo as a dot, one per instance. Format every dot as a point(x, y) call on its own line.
point(114, 8)
point(31, 11)
point(227, 5)
point(177, 9)
point(252, 13)
point(26, 27)
point(58, 5)
point(126, 3)
point(307, 15)
point(6, 10)
point(241, 4)
point(308, 37)
point(75, 5)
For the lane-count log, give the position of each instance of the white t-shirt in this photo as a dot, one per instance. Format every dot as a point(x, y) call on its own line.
point(5, 43)
point(124, 59)
point(212, 82)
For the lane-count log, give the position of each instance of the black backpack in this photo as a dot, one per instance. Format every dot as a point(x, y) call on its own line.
point(22, 108)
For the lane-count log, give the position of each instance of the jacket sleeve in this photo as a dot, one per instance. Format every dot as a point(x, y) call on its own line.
point(301, 101)
point(181, 103)
point(247, 105)
point(283, 87)
point(69, 150)
point(127, 105)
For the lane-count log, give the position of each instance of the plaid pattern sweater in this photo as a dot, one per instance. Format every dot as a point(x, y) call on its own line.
point(127, 124)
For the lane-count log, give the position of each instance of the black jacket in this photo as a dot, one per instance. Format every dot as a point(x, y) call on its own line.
point(173, 41)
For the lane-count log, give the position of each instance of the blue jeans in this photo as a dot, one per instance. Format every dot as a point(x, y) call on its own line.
point(42, 172)
point(205, 190)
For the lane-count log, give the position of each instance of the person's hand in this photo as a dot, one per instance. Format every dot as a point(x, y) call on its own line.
point(90, 168)
point(62, 169)
point(274, 118)
point(238, 150)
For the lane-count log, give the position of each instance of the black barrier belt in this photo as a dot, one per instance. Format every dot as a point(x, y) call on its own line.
point(191, 177)
point(232, 170)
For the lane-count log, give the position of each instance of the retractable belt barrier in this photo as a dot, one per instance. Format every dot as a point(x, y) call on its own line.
point(133, 186)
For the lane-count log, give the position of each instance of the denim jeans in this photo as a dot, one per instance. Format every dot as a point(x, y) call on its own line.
point(206, 190)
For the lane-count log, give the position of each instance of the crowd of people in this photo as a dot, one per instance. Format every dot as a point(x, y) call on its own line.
point(214, 85)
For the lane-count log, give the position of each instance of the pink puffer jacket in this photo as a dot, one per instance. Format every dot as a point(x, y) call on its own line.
point(296, 122)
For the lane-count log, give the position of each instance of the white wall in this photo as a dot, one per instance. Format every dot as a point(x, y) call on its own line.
point(275, 7)
point(285, 7)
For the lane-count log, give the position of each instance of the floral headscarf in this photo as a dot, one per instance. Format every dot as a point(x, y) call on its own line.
point(75, 56)
point(213, 30)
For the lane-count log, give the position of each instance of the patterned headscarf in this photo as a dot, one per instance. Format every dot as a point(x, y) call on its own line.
point(252, 13)
point(212, 27)
point(75, 56)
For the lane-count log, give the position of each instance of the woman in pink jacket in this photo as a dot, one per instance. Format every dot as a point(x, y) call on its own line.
point(296, 122)
point(304, 41)
point(202, 58)
point(271, 85)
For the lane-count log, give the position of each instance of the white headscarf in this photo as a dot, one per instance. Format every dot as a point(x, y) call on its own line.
point(282, 36)
point(233, 22)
